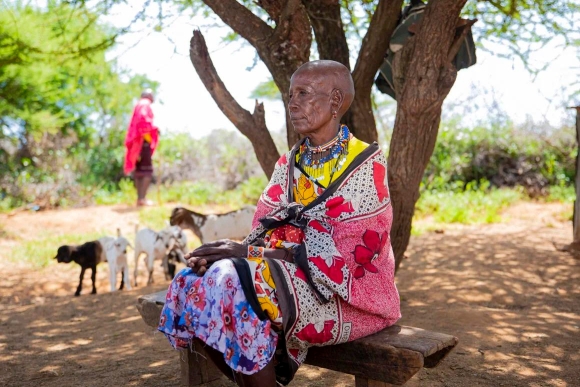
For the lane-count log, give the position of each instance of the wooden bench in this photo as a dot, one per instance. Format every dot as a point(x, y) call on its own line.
point(390, 357)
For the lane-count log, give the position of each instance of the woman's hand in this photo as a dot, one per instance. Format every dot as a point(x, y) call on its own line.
point(202, 257)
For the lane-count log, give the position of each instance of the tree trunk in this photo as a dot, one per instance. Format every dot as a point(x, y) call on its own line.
point(328, 30)
point(361, 119)
point(423, 77)
point(408, 158)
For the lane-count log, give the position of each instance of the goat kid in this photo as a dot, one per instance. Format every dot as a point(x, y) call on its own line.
point(231, 225)
point(87, 255)
point(177, 254)
point(155, 246)
point(115, 253)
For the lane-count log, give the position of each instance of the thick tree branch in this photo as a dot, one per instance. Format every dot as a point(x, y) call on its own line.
point(430, 49)
point(253, 126)
point(284, 23)
point(241, 20)
point(375, 44)
point(373, 49)
point(328, 29)
point(282, 49)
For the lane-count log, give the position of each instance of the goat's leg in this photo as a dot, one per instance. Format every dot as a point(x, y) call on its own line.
point(80, 287)
point(122, 281)
point(136, 267)
point(125, 276)
point(112, 276)
point(149, 263)
point(94, 278)
point(181, 257)
point(165, 264)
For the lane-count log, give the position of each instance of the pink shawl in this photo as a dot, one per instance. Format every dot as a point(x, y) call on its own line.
point(141, 123)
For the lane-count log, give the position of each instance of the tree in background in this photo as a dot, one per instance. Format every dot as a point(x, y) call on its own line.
point(281, 32)
point(63, 106)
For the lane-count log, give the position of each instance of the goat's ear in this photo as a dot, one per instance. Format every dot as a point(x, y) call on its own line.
point(130, 245)
point(118, 232)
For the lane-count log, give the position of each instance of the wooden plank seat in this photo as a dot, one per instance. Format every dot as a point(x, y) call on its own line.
point(389, 357)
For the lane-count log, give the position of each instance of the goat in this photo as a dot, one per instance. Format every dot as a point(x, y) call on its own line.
point(231, 225)
point(87, 255)
point(156, 246)
point(115, 253)
point(176, 254)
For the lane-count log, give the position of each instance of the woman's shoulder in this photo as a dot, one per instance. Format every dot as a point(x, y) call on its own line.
point(357, 145)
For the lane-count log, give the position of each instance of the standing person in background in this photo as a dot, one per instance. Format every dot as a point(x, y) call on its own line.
point(141, 141)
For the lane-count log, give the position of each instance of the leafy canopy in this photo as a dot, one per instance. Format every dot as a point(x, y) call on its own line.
point(60, 99)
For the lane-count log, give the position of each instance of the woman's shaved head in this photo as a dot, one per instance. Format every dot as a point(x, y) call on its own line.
point(334, 74)
point(320, 93)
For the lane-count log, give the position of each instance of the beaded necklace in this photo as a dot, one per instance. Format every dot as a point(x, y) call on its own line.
point(315, 159)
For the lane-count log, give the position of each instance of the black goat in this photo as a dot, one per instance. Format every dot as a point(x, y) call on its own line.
point(87, 255)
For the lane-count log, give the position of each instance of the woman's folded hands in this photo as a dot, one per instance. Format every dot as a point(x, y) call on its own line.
point(200, 259)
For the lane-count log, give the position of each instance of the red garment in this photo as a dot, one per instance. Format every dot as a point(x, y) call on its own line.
point(141, 124)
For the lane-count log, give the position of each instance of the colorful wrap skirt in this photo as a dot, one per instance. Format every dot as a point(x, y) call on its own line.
point(144, 165)
point(214, 309)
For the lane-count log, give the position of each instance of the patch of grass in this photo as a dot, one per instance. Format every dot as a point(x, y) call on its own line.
point(4, 234)
point(127, 194)
point(468, 207)
point(41, 251)
point(155, 218)
point(561, 194)
point(197, 193)
point(566, 215)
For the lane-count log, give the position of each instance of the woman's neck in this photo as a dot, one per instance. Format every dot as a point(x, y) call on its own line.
point(321, 137)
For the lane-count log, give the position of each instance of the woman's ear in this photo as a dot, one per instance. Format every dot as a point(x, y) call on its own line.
point(337, 99)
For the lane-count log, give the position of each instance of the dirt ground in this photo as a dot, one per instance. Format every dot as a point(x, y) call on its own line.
point(509, 296)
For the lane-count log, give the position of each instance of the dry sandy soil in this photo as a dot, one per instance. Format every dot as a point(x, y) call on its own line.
point(510, 297)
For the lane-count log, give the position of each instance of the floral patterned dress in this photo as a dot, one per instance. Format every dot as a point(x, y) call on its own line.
point(214, 309)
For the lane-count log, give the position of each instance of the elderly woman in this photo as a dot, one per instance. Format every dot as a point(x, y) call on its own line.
point(318, 267)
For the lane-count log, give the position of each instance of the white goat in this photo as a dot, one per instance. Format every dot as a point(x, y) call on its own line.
point(155, 245)
point(115, 253)
point(231, 225)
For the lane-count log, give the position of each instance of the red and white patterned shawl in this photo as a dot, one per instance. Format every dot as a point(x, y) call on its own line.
point(349, 256)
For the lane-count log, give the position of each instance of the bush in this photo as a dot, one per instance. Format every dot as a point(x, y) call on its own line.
point(503, 156)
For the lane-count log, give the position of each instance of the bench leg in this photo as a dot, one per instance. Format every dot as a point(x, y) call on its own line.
point(363, 382)
point(197, 369)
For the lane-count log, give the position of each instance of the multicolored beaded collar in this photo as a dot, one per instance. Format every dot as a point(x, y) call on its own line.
point(313, 159)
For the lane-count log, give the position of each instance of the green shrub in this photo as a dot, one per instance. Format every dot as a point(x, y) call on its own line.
point(505, 156)
point(564, 194)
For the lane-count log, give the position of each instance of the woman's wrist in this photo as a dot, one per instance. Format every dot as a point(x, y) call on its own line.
point(282, 254)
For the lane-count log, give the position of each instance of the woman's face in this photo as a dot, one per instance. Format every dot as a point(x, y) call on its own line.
point(310, 103)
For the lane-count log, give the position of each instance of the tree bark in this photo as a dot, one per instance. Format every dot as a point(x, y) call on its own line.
point(251, 125)
point(373, 49)
point(328, 30)
point(423, 76)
